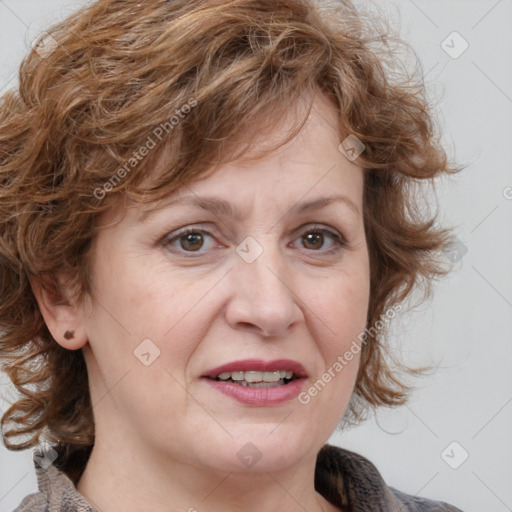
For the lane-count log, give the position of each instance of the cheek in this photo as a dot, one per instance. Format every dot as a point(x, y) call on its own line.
point(167, 308)
point(137, 297)
point(342, 309)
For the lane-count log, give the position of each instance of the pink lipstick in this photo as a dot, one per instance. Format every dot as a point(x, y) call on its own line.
point(257, 382)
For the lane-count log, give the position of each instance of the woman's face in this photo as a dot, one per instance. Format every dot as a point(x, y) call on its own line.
point(259, 284)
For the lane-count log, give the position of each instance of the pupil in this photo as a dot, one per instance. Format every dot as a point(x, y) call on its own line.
point(311, 237)
point(193, 239)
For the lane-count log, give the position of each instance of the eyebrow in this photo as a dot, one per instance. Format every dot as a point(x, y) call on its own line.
point(223, 208)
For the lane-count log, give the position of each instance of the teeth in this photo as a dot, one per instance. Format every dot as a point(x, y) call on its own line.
point(271, 376)
point(254, 376)
point(262, 384)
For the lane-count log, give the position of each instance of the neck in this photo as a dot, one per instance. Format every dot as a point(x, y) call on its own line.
point(150, 483)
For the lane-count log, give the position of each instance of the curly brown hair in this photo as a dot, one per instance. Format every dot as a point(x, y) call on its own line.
point(116, 74)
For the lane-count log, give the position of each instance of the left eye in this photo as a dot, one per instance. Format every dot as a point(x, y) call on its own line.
point(316, 237)
point(192, 239)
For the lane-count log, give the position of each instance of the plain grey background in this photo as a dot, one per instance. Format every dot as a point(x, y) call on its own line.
point(453, 440)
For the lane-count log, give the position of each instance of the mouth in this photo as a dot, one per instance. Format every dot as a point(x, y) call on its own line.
point(257, 379)
point(258, 382)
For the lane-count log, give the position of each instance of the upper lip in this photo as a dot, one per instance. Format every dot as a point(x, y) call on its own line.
point(258, 365)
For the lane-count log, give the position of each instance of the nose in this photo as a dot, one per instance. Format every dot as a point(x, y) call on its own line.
point(263, 298)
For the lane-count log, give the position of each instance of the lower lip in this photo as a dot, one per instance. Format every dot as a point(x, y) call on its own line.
point(261, 397)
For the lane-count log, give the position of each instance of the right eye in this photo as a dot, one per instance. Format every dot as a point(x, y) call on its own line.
point(189, 240)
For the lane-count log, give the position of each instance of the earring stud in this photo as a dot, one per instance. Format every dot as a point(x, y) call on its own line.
point(69, 334)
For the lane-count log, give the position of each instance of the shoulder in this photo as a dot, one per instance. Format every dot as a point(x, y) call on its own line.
point(57, 492)
point(33, 503)
point(348, 479)
point(414, 503)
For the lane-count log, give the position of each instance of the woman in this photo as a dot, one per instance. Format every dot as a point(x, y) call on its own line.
point(214, 219)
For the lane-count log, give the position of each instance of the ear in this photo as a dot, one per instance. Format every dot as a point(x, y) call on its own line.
point(62, 317)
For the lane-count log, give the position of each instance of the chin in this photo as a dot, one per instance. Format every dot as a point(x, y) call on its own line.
point(258, 450)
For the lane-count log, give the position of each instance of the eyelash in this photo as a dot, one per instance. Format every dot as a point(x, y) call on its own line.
point(339, 240)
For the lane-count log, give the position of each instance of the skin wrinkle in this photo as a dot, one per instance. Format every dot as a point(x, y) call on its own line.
point(305, 323)
point(123, 77)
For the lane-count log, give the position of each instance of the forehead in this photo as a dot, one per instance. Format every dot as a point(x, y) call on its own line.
point(223, 208)
point(308, 165)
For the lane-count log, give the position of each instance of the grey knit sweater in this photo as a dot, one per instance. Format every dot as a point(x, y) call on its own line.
point(346, 479)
